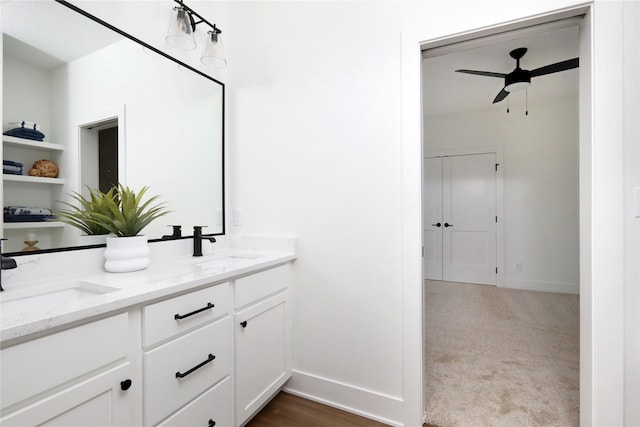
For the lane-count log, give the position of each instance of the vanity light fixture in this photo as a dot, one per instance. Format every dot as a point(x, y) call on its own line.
point(181, 34)
point(213, 53)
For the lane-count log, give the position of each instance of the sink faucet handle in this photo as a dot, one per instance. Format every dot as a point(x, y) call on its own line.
point(177, 232)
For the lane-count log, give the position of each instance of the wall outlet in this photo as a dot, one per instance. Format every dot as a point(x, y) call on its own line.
point(519, 266)
point(238, 217)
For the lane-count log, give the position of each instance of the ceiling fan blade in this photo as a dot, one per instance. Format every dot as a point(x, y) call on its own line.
point(483, 73)
point(554, 68)
point(501, 95)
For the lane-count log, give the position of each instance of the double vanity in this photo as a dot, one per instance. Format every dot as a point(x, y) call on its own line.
point(188, 341)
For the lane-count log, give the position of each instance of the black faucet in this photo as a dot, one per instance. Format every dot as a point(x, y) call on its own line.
point(177, 233)
point(197, 239)
point(7, 264)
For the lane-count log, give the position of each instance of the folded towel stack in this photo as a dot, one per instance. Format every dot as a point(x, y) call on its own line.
point(26, 214)
point(26, 130)
point(25, 124)
point(13, 168)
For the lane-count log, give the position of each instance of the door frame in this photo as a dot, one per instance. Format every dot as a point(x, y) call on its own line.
point(499, 153)
point(601, 204)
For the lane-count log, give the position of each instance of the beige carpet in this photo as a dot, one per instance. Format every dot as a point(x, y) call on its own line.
point(500, 357)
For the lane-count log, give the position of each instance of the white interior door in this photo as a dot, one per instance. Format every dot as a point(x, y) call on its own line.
point(460, 218)
point(432, 214)
point(469, 215)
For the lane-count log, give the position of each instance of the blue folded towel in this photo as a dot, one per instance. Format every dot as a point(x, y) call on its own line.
point(12, 163)
point(26, 133)
point(12, 168)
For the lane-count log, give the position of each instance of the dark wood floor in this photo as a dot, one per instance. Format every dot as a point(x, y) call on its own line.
point(287, 410)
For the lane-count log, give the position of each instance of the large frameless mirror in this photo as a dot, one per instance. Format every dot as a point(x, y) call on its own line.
point(112, 109)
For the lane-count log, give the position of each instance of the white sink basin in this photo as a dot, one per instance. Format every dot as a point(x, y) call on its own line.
point(227, 263)
point(44, 298)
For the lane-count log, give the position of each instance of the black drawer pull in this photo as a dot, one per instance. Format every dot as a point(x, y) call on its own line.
point(182, 316)
point(125, 385)
point(211, 423)
point(243, 324)
point(209, 359)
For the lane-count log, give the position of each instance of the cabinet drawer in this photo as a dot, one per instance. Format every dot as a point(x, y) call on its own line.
point(215, 405)
point(165, 391)
point(171, 317)
point(257, 286)
point(36, 366)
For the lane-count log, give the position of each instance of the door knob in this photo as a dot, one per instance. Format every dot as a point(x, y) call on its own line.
point(446, 224)
point(437, 224)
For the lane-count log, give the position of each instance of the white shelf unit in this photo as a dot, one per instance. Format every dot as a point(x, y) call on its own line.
point(30, 225)
point(25, 190)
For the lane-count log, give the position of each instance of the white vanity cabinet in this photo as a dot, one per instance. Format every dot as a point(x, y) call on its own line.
point(187, 360)
point(262, 338)
point(55, 381)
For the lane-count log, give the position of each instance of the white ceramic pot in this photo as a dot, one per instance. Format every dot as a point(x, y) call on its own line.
point(124, 254)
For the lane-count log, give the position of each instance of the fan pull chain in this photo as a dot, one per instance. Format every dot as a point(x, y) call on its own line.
point(507, 105)
point(526, 113)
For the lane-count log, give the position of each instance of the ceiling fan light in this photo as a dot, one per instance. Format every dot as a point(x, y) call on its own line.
point(517, 86)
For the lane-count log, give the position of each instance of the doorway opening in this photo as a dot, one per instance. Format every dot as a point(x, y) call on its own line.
point(102, 151)
point(539, 250)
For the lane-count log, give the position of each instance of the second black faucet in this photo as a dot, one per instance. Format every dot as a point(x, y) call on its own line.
point(197, 239)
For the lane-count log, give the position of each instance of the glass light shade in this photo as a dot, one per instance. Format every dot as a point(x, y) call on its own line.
point(213, 54)
point(514, 87)
point(180, 34)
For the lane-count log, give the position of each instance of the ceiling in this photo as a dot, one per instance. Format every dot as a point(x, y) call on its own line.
point(61, 23)
point(445, 91)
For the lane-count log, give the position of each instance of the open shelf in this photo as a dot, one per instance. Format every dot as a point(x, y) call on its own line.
point(24, 225)
point(32, 179)
point(28, 143)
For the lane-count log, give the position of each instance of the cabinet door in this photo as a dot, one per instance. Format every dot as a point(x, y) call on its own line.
point(263, 354)
point(97, 401)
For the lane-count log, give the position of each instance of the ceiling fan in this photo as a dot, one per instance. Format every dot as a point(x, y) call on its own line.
point(520, 79)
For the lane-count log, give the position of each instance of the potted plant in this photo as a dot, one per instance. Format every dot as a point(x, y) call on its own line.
point(122, 213)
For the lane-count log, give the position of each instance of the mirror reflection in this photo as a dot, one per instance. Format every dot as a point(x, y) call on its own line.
point(110, 111)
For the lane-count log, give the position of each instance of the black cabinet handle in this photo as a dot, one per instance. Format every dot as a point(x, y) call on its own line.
point(211, 423)
point(125, 385)
point(446, 224)
point(182, 316)
point(182, 375)
point(437, 224)
point(243, 324)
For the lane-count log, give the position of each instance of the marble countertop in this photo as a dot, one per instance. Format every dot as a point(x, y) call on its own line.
point(130, 289)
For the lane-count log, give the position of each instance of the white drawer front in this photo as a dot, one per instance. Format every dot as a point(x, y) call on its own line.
point(165, 392)
point(257, 286)
point(171, 317)
point(215, 405)
point(38, 365)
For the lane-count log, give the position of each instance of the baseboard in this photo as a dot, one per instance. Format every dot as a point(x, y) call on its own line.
point(366, 403)
point(536, 285)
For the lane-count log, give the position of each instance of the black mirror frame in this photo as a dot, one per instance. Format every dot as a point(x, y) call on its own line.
point(182, 64)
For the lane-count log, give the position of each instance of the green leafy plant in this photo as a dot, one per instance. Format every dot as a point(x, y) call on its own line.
point(82, 216)
point(119, 211)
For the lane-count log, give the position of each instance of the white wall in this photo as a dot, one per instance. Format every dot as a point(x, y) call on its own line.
point(314, 115)
point(26, 95)
point(540, 173)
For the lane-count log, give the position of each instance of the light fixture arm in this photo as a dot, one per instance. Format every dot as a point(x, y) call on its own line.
point(192, 13)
